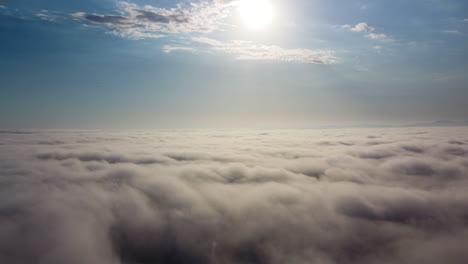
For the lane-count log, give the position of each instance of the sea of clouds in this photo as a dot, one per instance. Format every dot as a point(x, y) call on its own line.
point(333, 196)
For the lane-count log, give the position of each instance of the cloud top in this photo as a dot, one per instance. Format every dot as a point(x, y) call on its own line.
point(285, 196)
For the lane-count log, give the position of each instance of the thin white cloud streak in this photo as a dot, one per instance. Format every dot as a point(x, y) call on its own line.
point(135, 34)
point(169, 49)
point(246, 50)
point(45, 15)
point(379, 37)
point(451, 31)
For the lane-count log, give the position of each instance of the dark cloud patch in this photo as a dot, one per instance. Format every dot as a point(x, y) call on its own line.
point(233, 197)
point(456, 142)
point(51, 142)
point(412, 148)
point(456, 151)
point(157, 18)
point(139, 22)
point(102, 19)
point(15, 132)
point(413, 167)
point(376, 154)
point(187, 156)
point(94, 156)
point(376, 142)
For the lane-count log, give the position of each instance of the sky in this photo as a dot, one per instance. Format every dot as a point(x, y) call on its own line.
point(202, 64)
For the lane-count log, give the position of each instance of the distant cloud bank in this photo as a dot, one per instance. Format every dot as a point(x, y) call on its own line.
point(287, 196)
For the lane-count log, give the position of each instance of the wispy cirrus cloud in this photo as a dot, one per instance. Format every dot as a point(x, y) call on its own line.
point(169, 48)
point(380, 37)
point(138, 22)
point(247, 50)
point(452, 31)
point(47, 16)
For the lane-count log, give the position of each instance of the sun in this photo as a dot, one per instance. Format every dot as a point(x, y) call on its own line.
point(256, 14)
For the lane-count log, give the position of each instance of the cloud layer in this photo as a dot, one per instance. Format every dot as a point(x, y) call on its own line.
point(304, 196)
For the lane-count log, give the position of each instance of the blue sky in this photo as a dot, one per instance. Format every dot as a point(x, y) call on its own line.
point(170, 64)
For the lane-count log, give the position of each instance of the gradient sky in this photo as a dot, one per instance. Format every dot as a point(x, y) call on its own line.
point(191, 64)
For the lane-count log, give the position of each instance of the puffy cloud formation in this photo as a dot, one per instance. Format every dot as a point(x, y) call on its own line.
point(303, 196)
point(152, 22)
point(365, 28)
point(247, 50)
point(361, 27)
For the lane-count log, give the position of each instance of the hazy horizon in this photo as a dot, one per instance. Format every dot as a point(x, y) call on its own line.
point(301, 126)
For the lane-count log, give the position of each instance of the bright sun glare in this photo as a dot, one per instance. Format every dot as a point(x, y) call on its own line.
point(256, 13)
